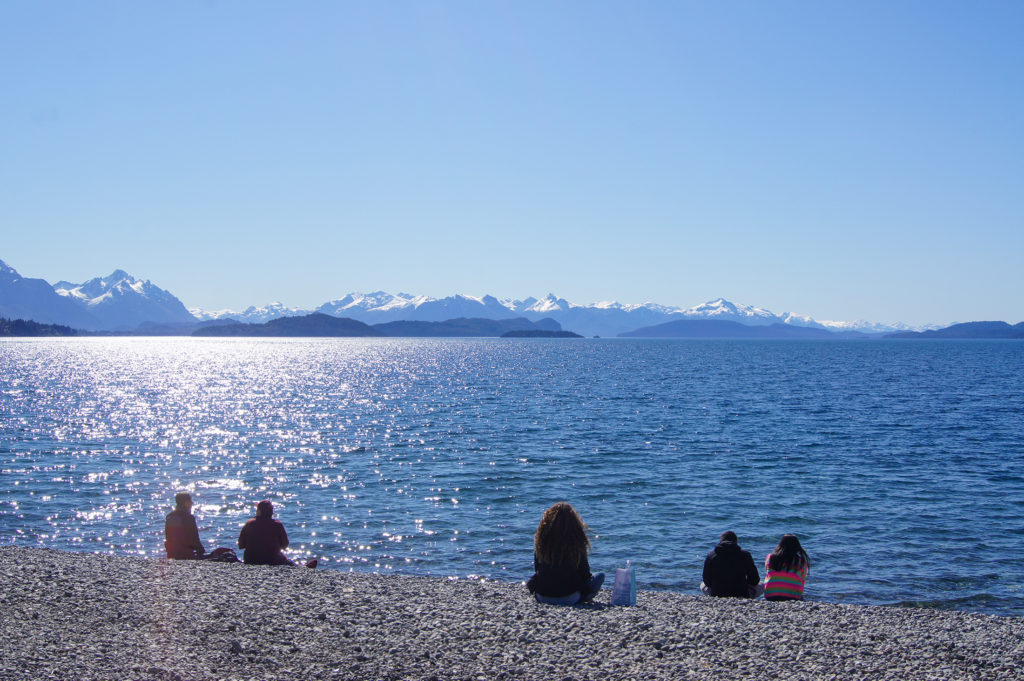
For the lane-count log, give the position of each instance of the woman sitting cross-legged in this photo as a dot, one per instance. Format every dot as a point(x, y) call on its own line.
point(786, 570)
point(560, 559)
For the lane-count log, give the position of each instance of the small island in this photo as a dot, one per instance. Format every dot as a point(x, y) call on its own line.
point(311, 325)
point(540, 333)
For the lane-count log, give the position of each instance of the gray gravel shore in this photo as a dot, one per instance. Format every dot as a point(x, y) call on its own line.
point(83, 616)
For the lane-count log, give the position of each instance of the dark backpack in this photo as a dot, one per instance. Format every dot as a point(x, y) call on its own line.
point(223, 555)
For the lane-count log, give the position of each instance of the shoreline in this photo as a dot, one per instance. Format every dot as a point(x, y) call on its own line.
point(95, 616)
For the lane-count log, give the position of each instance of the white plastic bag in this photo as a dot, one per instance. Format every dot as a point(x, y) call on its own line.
point(624, 588)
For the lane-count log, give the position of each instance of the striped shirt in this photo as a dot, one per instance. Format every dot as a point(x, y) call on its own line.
point(787, 583)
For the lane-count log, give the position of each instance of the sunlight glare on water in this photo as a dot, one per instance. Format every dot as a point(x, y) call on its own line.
point(439, 456)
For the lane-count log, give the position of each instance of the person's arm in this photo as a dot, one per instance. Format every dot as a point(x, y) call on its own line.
point(707, 575)
point(242, 537)
point(531, 583)
point(197, 544)
point(282, 535)
point(753, 576)
point(584, 573)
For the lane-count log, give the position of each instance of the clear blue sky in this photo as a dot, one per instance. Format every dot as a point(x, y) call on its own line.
point(843, 160)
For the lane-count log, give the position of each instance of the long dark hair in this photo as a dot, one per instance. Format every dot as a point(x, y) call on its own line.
point(561, 537)
point(788, 555)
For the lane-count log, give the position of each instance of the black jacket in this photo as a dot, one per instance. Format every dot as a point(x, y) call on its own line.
point(555, 581)
point(730, 571)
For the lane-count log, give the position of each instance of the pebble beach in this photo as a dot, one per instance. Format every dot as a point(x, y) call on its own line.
point(96, 616)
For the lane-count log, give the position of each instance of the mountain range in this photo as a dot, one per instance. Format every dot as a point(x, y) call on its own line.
point(990, 330)
point(120, 302)
point(723, 328)
point(601, 319)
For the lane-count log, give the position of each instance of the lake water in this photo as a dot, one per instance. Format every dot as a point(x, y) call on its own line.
point(900, 464)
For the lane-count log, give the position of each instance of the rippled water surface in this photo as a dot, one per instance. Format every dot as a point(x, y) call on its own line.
point(900, 464)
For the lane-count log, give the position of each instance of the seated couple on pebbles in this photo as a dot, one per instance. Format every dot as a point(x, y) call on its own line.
point(562, 572)
point(729, 571)
point(263, 538)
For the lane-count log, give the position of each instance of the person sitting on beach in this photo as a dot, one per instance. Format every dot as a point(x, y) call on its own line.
point(181, 534)
point(264, 539)
point(562, 571)
point(730, 571)
point(786, 570)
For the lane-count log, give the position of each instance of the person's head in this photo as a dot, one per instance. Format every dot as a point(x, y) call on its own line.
point(183, 501)
point(788, 554)
point(561, 537)
point(728, 535)
point(264, 509)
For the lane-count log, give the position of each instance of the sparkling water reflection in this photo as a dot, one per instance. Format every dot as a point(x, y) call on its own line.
point(899, 463)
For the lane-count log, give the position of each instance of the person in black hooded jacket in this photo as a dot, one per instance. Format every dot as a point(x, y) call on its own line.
point(730, 571)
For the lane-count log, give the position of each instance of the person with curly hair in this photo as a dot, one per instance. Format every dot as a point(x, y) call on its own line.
point(562, 571)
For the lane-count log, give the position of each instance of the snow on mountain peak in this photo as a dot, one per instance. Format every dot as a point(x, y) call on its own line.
point(720, 308)
point(104, 291)
point(603, 317)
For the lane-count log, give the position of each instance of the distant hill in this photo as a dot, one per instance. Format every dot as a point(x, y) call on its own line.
point(463, 327)
point(539, 333)
point(311, 325)
point(26, 327)
point(716, 328)
point(992, 330)
point(174, 328)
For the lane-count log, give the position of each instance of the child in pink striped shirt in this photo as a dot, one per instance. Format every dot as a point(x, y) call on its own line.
point(786, 570)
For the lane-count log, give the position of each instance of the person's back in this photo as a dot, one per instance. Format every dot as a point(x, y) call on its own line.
point(786, 570)
point(561, 569)
point(263, 538)
point(729, 571)
point(181, 534)
point(558, 580)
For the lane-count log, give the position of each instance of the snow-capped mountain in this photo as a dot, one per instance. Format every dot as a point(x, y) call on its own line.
point(605, 318)
point(122, 302)
point(35, 299)
point(119, 301)
point(380, 307)
point(250, 315)
point(724, 310)
point(874, 327)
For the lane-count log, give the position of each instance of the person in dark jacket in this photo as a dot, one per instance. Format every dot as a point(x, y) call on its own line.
point(181, 534)
point(264, 539)
point(730, 571)
point(562, 571)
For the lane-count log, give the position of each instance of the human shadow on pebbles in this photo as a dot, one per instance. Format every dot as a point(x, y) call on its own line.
point(85, 616)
